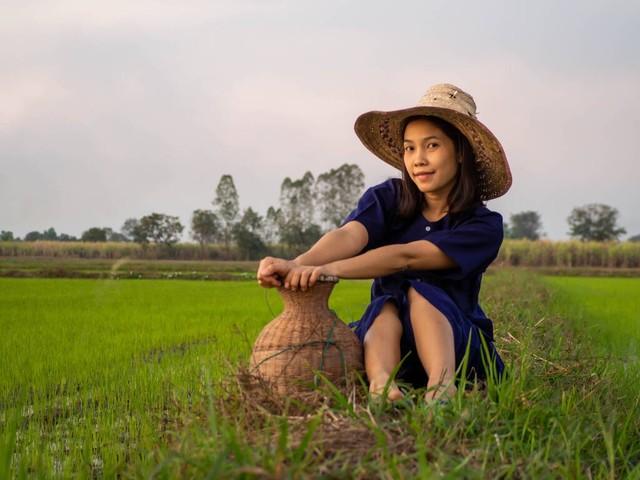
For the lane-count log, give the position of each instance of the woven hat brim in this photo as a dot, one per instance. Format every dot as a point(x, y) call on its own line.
point(381, 133)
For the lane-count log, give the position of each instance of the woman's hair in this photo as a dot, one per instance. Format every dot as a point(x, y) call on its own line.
point(464, 194)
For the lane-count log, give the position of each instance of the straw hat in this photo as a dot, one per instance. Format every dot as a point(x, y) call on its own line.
point(381, 132)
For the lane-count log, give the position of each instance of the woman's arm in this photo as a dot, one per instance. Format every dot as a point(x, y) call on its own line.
point(418, 255)
point(343, 242)
point(337, 244)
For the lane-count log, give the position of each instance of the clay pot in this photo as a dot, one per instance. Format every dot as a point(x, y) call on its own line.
point(306, 337)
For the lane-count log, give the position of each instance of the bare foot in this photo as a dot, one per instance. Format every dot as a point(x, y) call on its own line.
point(440, 391)
point(376, 389)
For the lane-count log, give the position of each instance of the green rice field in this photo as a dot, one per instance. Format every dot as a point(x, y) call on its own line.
point(136, 378)
point(606, 309)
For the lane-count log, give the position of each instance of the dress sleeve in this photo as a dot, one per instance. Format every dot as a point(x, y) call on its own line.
point(374, 211)
point(472, 244)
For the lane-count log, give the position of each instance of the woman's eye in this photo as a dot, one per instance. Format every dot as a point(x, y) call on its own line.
point(406, 149)
point(432, 145)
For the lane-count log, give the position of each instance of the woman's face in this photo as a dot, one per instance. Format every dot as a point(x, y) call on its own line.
point(429, 157)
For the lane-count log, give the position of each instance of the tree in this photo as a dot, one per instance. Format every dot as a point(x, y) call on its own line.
point(50, 234)
point(273, 224)
point(247, 235)
point(116, 236)
point(158, 228)
point(525, 225)
point(297, 199)
point(506, 228)
point(338, 191)
point(33, 236)
point(63, 237)
point(6, 236)
point(129, 228)
point(300, 237)
point(635, 238)
point(205, 226)
point(227, 206)
point(94, 234)
point(297, 229)
point(595, 222)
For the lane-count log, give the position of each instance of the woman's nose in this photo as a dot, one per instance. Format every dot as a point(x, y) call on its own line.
point(420, 158)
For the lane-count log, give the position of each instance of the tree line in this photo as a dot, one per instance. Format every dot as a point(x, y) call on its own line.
point(594, 222)
point(307, 208)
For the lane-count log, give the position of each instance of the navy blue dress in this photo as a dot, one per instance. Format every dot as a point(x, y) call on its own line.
point(471, 239)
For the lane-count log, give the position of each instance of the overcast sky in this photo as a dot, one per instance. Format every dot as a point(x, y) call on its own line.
point(111, 110)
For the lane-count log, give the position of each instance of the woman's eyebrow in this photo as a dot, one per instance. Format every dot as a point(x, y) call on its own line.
point(406, 140)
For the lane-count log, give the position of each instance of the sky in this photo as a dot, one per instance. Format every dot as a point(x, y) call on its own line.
point(112, 110)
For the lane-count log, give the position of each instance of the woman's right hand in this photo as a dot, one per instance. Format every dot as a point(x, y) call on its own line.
point(272, 270)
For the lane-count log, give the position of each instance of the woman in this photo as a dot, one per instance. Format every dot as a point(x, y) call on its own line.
point(426, 239)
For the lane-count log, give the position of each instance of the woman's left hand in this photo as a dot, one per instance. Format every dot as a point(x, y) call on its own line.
point(303, 277)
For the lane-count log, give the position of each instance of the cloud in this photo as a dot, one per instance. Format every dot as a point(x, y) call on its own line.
point(137, 107)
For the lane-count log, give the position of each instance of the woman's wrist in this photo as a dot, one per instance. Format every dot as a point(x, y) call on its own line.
point(333, 269)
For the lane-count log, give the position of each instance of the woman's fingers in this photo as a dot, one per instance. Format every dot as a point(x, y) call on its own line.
point(292, 277)
point(269, 270)
point(305, 279)
point(315, 274)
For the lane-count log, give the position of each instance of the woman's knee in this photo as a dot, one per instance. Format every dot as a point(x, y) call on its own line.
point(386, 323)
point(422, 309)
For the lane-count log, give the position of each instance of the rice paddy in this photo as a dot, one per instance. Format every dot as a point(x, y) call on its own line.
point(104, 378)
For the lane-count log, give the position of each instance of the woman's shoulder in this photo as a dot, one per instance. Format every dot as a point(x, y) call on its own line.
point(390, 185)
point(386, 193)
point(479, 213)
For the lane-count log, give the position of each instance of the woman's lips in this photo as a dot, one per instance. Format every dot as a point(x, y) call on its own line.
point(424, 175)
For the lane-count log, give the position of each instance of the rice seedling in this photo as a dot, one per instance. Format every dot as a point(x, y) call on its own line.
point(102, 378)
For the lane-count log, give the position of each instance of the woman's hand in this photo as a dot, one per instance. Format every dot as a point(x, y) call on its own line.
point(271, 270)
point(304, 276)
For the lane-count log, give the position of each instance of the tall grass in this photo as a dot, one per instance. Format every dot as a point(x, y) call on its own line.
point(539, 253)
point(573, 253)
point(117, 250)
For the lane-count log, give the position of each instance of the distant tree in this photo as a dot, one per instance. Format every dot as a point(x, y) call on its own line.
point(273, 224)
point(525, 225)
point(300, 237)
point(205, 226)
point(94, 234)
point(6, 236)
point(337, 192)
point(595, 222)
point(635, 238)
point(246, 233)
point(227, 207)
point(297, 197)
point(158, 228)
point(506, 228)
point(50, 234)
point(33, 236)
point(129, 227)
point(63, 237)
point(116, 236)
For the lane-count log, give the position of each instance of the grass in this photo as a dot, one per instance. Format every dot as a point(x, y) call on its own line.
point(99, 365)
point(538, 253)
point(128, 268)
point(70, 267)
point(132, 378)
point(608, 311)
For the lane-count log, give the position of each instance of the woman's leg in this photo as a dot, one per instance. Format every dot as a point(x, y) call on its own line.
point(382, 351)
point(434, 341)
